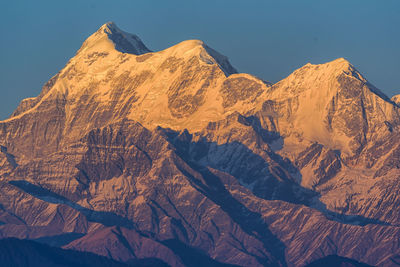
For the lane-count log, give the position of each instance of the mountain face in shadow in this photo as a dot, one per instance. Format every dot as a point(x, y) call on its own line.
point(15, 252)
point(175, 158)
point(336, 261)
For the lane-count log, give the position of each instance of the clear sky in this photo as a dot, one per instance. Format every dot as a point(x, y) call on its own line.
point(267, 38)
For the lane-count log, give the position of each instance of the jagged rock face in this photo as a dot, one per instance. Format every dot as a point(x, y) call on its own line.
point(130, 154)
point(396, 99)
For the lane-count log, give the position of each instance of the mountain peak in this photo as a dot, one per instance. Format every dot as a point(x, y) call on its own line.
point(340, 62)
point(207, 54)
point(334, 68)
point(189, 44)
point(342, 65)
point(326, 75)
point(332, 104)
point(109, 26)
point(110, 37)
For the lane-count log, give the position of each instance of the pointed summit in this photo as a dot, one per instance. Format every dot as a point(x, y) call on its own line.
point(109, 26)
point(331, 69)
point(124, 42)
point(340, 63)
point(109, 36)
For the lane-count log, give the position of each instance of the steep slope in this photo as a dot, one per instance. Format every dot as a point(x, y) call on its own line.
point(173, 155)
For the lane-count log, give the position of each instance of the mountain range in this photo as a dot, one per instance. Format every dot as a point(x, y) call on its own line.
point(174, 156)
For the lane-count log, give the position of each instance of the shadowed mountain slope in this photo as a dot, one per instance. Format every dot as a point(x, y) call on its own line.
point(15, 253)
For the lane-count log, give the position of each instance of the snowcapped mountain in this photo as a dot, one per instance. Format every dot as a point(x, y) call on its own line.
point(173, 155)
point(332, 104)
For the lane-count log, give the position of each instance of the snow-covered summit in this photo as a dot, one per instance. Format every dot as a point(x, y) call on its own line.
point(189, 48)
point(326, 71)
point(329, 104)
point(110, 26)
point(332, 76)
point(110, 37)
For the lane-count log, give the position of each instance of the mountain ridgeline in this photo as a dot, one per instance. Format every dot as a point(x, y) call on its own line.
point(176, 157)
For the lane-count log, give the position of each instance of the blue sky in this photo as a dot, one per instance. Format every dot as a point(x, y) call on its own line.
point(266, 38)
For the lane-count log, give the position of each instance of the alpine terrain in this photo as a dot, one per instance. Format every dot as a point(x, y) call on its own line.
point(176, 158)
